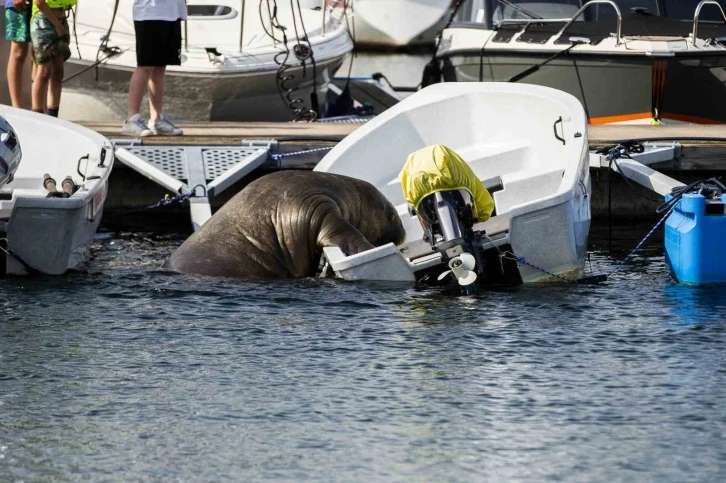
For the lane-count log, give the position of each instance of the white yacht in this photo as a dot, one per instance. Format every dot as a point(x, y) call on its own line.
point(236, 64)
point(636, 61)
point(396, 24)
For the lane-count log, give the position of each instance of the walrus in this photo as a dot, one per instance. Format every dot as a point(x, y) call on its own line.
point(277, 227)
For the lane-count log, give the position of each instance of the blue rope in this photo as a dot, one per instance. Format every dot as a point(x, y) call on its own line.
point(179, 198)
point(523, 261)
point(279, 156)
point(637, 247)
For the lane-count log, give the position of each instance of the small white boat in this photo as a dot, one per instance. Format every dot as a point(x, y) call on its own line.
point(399, 23)
point(527, 144)
point(232, 69)
point(51, 234)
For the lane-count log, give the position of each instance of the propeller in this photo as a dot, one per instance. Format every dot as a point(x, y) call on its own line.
point(462, 267)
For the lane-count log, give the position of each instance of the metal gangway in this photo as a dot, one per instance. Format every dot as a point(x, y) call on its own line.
point(194, 172)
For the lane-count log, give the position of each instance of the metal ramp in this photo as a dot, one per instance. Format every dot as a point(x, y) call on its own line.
point(201, 172)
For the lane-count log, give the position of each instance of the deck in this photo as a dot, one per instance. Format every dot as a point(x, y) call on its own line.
point(704, 146)
point(703, 155)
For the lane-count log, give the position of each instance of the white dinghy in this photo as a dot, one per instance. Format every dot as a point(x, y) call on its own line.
point(235, 64)
point(527, 144)
point(46, 225)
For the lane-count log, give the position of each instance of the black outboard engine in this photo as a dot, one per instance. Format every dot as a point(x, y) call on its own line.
point(448, 221)
point(10, 153)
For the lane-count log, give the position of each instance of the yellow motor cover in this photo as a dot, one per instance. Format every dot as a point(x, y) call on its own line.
point(438, 168)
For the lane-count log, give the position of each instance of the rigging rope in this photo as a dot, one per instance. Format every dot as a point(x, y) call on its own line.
point(302, 51)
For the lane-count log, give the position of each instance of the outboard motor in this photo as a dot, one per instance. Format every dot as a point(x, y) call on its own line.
point(448, 199)
point(10, 153)
point(447, 218)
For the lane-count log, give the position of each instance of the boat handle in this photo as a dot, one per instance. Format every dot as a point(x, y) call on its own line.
point(78, 168)
point(698, 14)
point(101, 163)
point(559, 121)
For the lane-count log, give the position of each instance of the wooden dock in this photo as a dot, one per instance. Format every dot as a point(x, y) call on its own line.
point(704, 146)
point(233, 132)
point(703, 155)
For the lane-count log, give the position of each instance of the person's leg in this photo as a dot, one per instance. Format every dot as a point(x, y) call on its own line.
point(43, 37)
point(18, 54)
point(137, 89)
point(17, 31)
point(166, 52)
point(134, 125)
point(156, 93)
point(56, 84)
point(40, 86)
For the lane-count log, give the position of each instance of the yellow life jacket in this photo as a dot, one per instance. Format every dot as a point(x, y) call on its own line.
point(438, 168)
point(64, 4)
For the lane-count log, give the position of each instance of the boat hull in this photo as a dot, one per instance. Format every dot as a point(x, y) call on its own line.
point(613, 89)
point(52, 240)
point(246, 96)
point(538, 236)
point(382, 24)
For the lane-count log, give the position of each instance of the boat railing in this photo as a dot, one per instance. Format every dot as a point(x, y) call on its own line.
point(569, 21)
point(698, 15)
point(326, 5)
point(618, 35)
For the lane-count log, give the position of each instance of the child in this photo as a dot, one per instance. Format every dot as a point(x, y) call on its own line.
point(49, 34)
point(17, 31)
point(158, 44)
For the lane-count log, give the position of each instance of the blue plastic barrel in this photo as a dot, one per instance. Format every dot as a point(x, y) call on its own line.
point(695, 240)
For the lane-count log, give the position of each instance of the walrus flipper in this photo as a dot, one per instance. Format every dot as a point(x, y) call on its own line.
point(336, 231)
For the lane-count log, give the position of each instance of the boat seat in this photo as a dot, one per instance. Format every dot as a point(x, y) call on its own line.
point(28, 193)
point(494, 225)
point(416, 249)
point(527, 186)
point(538, 172)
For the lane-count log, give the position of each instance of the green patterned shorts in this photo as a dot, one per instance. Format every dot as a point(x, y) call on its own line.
point(46, 43)
point(17, 25)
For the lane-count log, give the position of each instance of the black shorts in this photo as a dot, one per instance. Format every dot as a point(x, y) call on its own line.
point(158, 43)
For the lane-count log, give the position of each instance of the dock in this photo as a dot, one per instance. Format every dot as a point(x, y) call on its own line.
point(701, 153)
point(231, 132)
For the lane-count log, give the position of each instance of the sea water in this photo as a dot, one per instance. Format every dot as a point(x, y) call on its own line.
point(126, 372)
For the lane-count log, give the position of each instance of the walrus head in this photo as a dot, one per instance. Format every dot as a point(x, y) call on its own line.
point(377, 218)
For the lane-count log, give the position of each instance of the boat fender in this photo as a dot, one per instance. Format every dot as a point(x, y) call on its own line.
point(302, 52)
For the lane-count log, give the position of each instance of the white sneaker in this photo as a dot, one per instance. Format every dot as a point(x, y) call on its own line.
point(135, 126)
point(164, 127)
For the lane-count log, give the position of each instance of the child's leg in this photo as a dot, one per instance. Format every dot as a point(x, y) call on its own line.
point(137, 89)
point(156, 93)
point(43, 74)
point(56, 84)
point(18, 54)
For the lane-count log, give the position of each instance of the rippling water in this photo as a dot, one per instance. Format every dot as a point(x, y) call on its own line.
point(128, 373)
